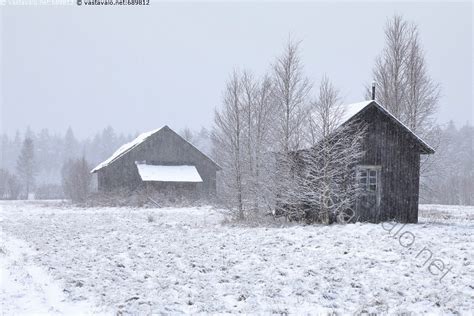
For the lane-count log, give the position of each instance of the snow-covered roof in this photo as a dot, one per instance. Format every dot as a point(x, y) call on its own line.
point(162, 173)
point(137, 141)
point(350, 110)
point(125, 148)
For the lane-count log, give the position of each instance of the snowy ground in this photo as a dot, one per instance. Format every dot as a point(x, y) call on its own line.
point(62, 260)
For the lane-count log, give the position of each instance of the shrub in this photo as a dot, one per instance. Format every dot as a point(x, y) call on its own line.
point(49, 192)
point(9, 185)
point(76, 179)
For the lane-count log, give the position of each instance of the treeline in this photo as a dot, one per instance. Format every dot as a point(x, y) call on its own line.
point(448, 175)
point(52, 150)
point(48, 153)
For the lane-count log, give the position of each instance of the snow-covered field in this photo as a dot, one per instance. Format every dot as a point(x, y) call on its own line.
point(61, 260)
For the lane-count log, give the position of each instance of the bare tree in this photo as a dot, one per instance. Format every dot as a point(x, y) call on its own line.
point(324, 175)
point(227, 138)
point(404, 86)
point(325, 112)
point(187, 134)
point(422, 94)
point(327, 181)
point(248, 101)
point(243, 138)
point(264, 118)
point(26, 165)
point(389, 70)
point(290, 92)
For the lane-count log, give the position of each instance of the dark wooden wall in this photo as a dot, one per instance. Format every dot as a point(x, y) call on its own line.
point(390, 146)
point(164, 147)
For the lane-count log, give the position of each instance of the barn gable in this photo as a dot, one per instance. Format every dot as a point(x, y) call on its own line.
point(357, 110)
point(140, 139)
point(125, 149)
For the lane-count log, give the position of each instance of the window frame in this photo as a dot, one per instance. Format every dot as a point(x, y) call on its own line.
point(368, 176)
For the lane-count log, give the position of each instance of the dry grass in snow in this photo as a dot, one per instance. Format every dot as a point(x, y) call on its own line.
point(186, 261)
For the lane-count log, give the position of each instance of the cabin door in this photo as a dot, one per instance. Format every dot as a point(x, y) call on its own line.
point(368, 202)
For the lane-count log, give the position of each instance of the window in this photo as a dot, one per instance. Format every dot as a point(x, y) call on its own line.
point(368, 177)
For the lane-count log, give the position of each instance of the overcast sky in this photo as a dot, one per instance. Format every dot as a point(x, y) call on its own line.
point(137, 68)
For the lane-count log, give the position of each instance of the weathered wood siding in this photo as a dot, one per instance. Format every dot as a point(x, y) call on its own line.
point(390, 146)
point(162, 148)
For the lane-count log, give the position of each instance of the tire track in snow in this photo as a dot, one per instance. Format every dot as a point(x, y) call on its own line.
point(27, 289)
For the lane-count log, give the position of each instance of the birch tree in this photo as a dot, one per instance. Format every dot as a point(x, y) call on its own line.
point(227, 138)
point(264, 118)
point(328, 179)
point(389, 70)
point(422, 93)
point(403, 85)
point(249, 91)
point(257, 109)
point(243, 139)
point(325, 112)
point(325, 174)
point(290, 92)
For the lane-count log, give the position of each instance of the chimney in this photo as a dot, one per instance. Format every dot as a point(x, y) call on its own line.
point(373, 90)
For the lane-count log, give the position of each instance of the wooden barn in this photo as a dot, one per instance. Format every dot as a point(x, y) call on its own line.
point(159, 160)
point(389, 171)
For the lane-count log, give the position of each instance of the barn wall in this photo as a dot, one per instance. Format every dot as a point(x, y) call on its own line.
point(164, 147)
point(391, 147)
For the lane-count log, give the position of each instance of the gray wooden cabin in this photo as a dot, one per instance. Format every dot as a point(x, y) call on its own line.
point(390, 168)
point(159, 160)
point(389, 171)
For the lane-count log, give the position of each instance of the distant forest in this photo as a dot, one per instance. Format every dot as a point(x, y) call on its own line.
point(447, 177)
